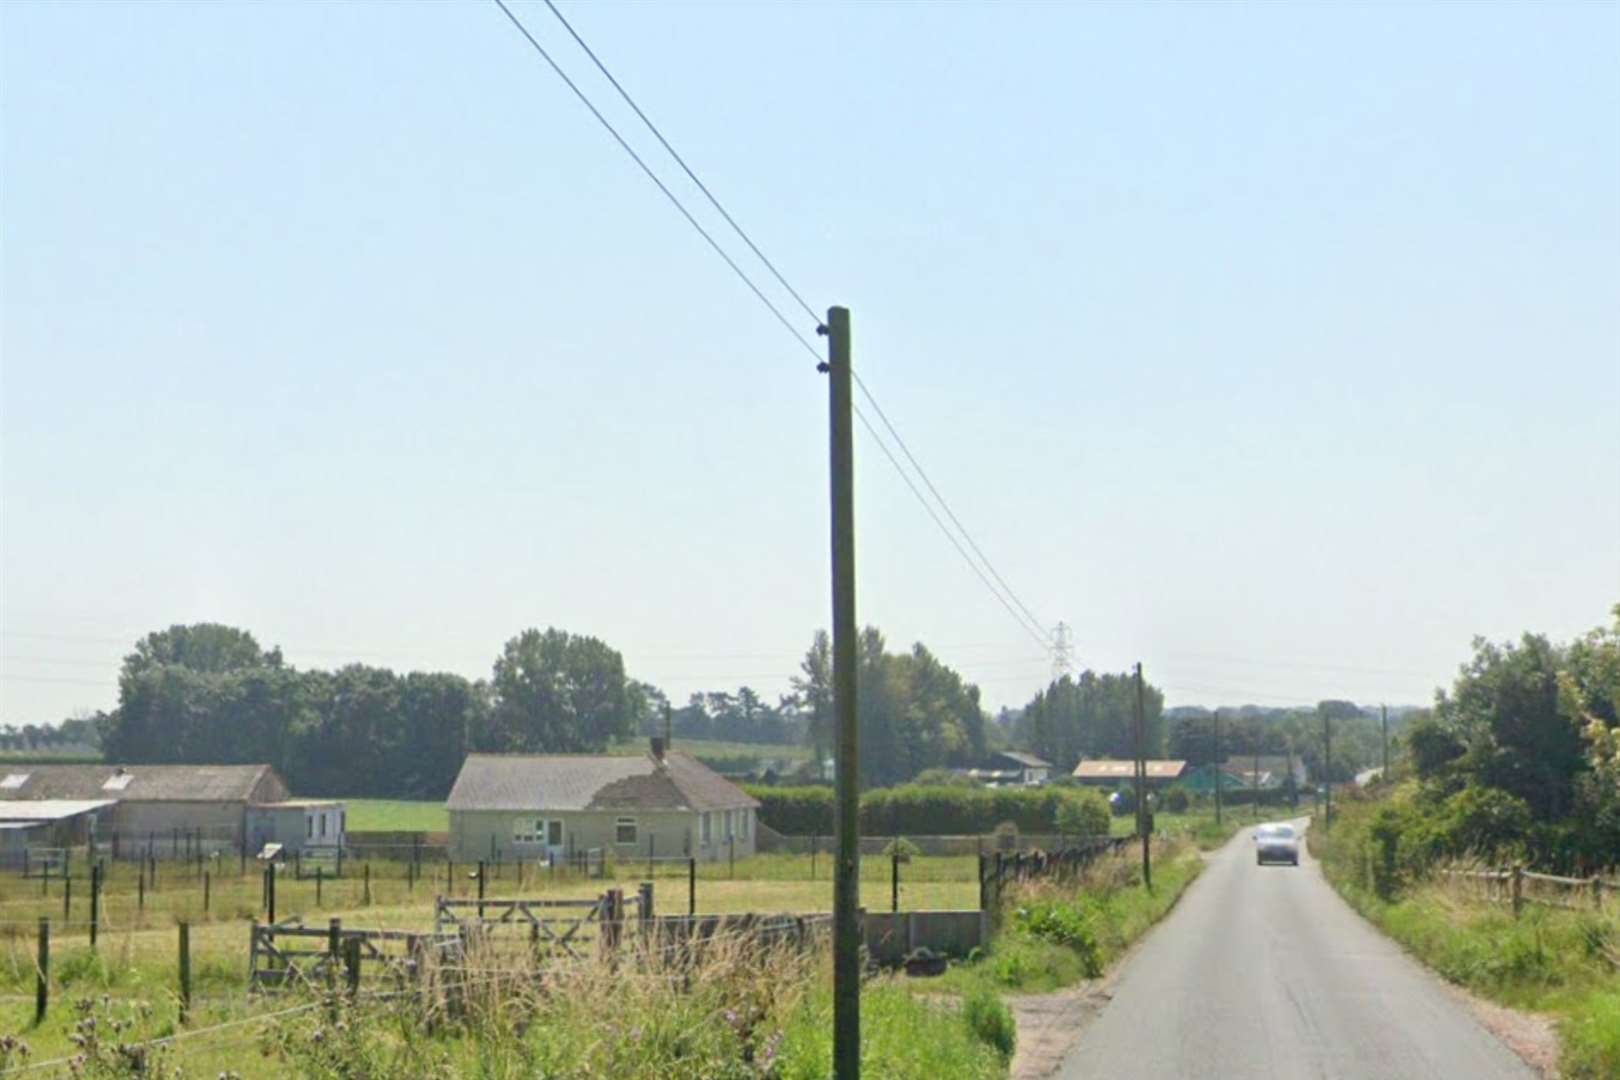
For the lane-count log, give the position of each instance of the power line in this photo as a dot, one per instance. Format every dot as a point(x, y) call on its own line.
point(808, 310)
point(687, 214)
point(1033, 621)
point(1034, 631)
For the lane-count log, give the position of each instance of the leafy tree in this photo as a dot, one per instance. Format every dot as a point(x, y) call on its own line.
point(559, 693)
point(1093, 716)
point(209, 648)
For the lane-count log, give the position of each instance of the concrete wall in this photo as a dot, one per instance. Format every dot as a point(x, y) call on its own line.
point(889, 937)
point(219, 823)
point(484, 834)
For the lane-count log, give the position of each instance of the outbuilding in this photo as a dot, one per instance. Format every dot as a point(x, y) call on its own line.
point(1113, 772)
point(550, 806)
point(169, 810)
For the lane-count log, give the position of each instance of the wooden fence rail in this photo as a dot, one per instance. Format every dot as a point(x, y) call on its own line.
point(1508, 885)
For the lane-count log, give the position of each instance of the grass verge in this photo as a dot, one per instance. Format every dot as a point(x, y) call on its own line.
point(1549, 960)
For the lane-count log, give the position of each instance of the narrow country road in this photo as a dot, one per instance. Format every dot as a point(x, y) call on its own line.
point(1264, 972)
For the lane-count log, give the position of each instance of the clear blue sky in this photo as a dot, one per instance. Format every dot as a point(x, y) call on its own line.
point(1275, 346)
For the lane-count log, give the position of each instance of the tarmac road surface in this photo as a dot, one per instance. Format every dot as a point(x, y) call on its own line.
point(1262, 971)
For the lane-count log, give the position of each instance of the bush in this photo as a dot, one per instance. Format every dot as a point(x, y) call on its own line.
point(795, 811)
point(902, 847)
point(1176, 800)
point(991, 1021)
point(1082, 813)
point(1062, 923)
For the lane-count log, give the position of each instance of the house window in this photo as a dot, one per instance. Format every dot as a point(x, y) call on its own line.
point(703, 820)
point(554, 835)
point(323, 825)
point(526, 830)
point(624, 831)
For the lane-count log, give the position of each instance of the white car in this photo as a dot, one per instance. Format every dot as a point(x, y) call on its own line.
point(1276, 842)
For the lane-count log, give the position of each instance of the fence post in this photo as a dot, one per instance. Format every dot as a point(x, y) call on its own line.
point(140, 890)
point(351, 964)
point(270, 890)
point(320, 877)
point(185, 972)
point(334, 951)
point(731, 856)
point(480, 888)
point(208, 889)
point(1518, 889)
point(984, 900)
point(367, 871)
point(645, 892)
point(42, 985)
point(67, 899)
point(691, 885)
point(339, 869)
point(1597, 892)
point(894, 876)
point(95, 901)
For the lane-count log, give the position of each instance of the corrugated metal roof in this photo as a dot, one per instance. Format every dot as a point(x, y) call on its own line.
point(592, 782)
point(146, 783)
point(48, 809)
point(1113, 769)
point(1029, 761)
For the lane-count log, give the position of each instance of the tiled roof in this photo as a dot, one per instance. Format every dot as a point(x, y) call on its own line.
point(1028, 761)
point(1112, 769)
point(144, 783)
point(592, 782)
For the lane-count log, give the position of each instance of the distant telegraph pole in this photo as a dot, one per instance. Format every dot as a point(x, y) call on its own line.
point(1327, 768)
point(1383, 711)
point(846, 802)
point(1141, 785)
point(1218, 768)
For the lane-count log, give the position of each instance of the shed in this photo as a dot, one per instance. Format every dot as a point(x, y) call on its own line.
point(1032, 770)
point(171, 809)
point(548, 806)
point(1114, 772)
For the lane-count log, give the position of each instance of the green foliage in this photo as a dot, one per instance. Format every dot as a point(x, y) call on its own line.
point(1176, 800)
point(945, 778)
point(1083, 813)
point(903, 1037)
point(902, 847)
point(1065, 923)
point(1088, 717)
point(925, 811)
point(991, 1020)
point(916, 713)
point(795, 811)
point(554, 692)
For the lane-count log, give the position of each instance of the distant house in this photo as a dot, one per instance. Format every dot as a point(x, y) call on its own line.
point(168, 809)
point(1113, 772)
point(1273, 769)
point(1201, 780)
point(1009, 768)
point(545, 806)
point(1031, 769)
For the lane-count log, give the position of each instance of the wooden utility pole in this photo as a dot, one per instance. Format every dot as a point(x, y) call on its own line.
point(1141, 786)
point(846, 804)
point(1327, 770)
point(1383, 711)
point(1254, 773)
point(1218, 768)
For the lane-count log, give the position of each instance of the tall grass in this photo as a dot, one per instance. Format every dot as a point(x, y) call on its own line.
point(1549, 959)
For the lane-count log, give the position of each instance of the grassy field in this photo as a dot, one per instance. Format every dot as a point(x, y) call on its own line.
point(136, 960)
point(716, 748)
point(396, 815)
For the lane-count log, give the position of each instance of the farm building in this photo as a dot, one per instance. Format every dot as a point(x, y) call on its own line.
point(171, 809)
point(1111, 772)
point(549, 806)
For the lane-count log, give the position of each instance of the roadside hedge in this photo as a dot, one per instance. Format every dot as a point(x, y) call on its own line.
point(921, 810)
